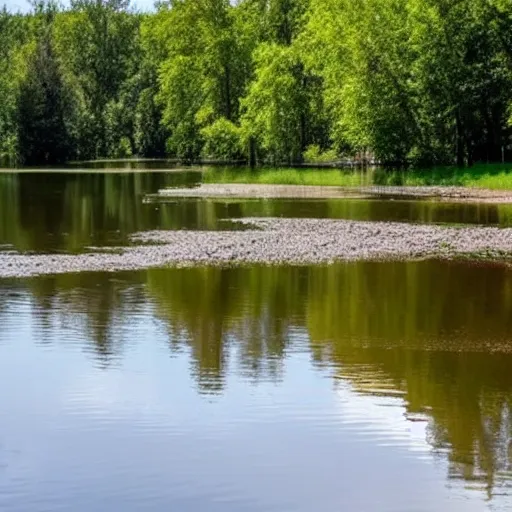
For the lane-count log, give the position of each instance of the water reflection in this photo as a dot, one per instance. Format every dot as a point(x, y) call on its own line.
point(66, 211)
point(71, 211)
point(134, 164)
point(434, 335)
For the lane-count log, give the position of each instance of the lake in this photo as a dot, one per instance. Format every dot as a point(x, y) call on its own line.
point(366, 386)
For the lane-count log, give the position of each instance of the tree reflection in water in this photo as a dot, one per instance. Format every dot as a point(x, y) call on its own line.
point(435, 333)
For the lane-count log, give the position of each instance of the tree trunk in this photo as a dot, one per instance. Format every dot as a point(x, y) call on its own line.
point(498, 132)
point(459, 140)
point(227, 85)
point(252, 153)
point(303, 140)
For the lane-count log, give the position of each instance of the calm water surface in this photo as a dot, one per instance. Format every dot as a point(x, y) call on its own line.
point(363, 386)
point(67, 211)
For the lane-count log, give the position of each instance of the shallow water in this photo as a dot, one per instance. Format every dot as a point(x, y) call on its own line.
point(71, 211)
point(358, 386)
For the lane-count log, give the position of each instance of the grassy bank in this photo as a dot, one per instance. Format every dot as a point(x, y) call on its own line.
point(286, 176)
point(490, 176)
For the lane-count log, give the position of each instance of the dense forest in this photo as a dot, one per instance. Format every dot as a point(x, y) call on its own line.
point(278, 81)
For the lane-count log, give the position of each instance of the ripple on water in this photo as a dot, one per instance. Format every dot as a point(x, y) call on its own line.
point(255, 389)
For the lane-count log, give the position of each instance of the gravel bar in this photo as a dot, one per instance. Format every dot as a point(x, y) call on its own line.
point(275, 241)
point(257, 191)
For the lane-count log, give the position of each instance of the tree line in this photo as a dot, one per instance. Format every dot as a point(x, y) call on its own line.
point(268, 81)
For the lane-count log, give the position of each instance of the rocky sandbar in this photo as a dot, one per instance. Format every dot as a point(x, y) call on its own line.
point(258, 191)
point(274, 241)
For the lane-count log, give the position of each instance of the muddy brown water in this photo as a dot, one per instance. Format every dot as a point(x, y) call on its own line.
point(364, 386)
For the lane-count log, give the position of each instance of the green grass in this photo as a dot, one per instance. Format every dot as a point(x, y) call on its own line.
point(318, 177)
point(491, 176)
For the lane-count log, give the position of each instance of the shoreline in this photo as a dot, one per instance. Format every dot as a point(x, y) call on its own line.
point(273, 241)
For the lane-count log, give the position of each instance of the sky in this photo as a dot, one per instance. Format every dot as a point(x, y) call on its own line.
point(16, 5)
point(24, 5)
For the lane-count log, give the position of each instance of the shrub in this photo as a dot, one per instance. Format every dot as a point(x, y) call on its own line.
point(315, 155)
point(222, 140)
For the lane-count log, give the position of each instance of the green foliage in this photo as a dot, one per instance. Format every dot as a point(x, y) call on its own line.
point(97, 45)
point(42, 132)
point(424, 80)
point(360, 50)
point(202, 69)
point(149, 134)
point(273, 105)
point(314, 154)
point(16, 46)
point(223, 140)
point(419, 81)
point(124, 148)
point(285, 19)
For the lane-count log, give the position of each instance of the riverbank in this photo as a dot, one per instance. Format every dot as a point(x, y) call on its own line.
point(486, 176)
point(257, 191)
point(275, 241)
